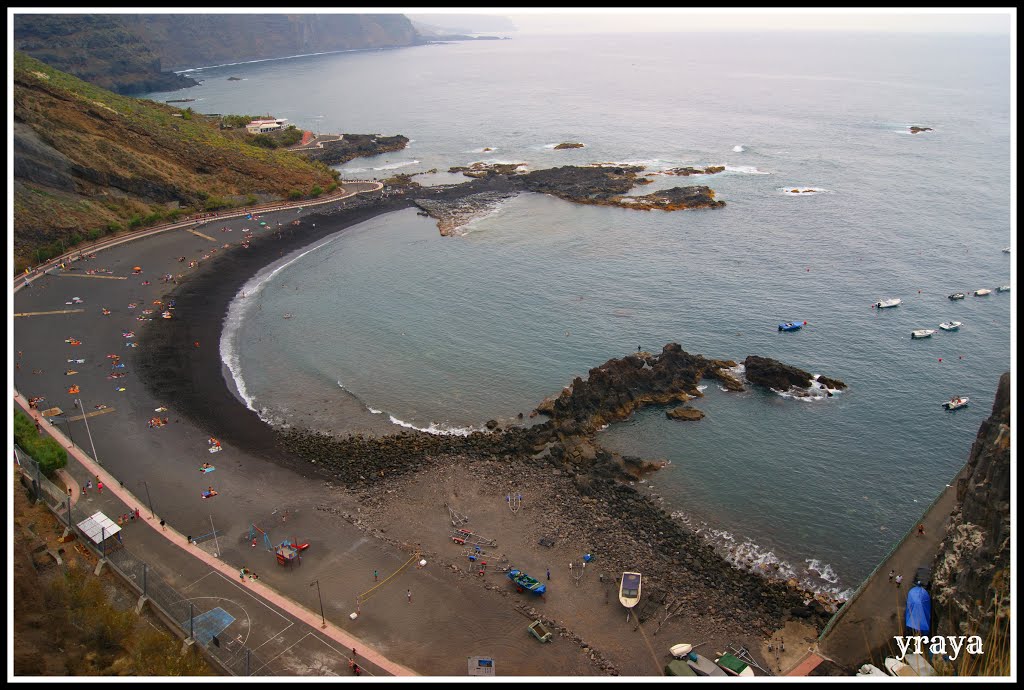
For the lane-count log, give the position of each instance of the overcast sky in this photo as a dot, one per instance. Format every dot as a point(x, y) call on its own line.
point(631, 20)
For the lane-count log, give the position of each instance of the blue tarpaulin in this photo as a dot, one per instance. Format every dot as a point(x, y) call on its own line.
point(919, 609)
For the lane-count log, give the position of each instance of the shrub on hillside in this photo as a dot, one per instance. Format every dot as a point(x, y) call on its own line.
point(50, 455)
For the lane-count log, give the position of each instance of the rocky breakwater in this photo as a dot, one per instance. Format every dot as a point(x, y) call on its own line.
point(568, 145)
point(452, 214)
point(917, 129)
point(479, 169)
point(361, 460)
point(972, 574)
point(335, 152)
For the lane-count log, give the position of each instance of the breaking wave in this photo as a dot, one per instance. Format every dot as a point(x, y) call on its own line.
point(436, 429)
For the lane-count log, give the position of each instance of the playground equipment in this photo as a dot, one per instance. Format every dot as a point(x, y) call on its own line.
point(289, 552)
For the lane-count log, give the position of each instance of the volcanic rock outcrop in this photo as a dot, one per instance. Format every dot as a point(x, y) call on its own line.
point(972, 574)
point(782, 377)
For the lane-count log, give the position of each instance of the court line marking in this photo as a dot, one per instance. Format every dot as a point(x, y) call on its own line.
point(91, 414)
point(250, 595)
point(342, 655)
point(44, 313)
point(86, 275)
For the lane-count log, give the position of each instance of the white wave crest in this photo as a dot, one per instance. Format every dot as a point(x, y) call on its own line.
point(484, 149)
point(803, 191)
point(738, 148)
point(816, 391)
point(374, 410)
point(745, 170)
point(244, 301)
point(436, 429)
point(400, 164)
point(702, 387)
point(746, 554)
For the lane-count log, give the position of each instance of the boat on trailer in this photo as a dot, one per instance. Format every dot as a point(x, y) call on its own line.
point(887, 303)
point(734, 666)
point(525, 583)
point(629, 589)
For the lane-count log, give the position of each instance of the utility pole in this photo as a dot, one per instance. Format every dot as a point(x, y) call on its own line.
point(215, 540)
point(85, 418)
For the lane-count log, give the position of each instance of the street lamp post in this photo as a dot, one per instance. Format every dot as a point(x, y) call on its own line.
point(322, 618)
point(152, 513)
point(85, 418)
point(67, 426)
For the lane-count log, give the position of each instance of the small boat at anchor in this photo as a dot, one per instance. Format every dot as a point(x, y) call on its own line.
point(983, 292)
point(922, 333)
point(629, 589)
point(887, 303)
point(1003, 288)
point(957, 295)
point(791, 326)
point(950, 325)
point(956, 402)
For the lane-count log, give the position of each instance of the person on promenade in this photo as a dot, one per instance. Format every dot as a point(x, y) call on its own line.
point(99, 486)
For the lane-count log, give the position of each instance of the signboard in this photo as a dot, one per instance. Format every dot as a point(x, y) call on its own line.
point(481, 666)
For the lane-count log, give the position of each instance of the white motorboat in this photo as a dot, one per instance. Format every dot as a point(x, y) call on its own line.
point(886, 303)
point(922, 333)
point(956, 402)
point(950, 325)
point(957, 295)
point(1006, 250)
point(629, 590)
point(1003, 288)
point(982, 292)
point(870, 670)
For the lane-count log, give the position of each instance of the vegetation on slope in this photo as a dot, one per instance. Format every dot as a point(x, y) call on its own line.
point(88, 162)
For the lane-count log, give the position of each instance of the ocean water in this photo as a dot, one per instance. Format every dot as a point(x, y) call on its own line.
point(444, 334)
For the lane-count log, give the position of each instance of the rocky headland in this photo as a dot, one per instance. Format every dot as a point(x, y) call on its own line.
point(782, 377)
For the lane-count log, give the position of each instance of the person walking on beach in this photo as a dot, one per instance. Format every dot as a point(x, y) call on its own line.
point(88, 484)
point(920, 529)
point(549, 573)
point(374, 575)
point(408, 595)
point(892, 574)
point(899, 580)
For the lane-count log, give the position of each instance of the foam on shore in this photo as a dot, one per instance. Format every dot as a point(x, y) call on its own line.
point(238, 308)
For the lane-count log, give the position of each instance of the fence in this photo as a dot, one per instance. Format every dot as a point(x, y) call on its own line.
point(233, 658)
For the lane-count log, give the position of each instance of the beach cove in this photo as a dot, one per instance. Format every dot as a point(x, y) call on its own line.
point(200, 404)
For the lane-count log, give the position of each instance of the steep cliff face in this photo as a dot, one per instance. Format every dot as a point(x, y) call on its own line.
point(971, 581)
point(99, 49)
point(137, 53)
point(194, 40)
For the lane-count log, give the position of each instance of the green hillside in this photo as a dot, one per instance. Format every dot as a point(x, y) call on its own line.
point(88, 162)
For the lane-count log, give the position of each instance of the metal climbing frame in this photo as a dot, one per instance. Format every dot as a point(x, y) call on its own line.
point(515, 502)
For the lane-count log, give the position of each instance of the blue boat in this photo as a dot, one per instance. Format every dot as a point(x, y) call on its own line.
point(524, 582)
point(791, 326)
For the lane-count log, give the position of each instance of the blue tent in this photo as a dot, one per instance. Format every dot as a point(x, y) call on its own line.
point(919, 609)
